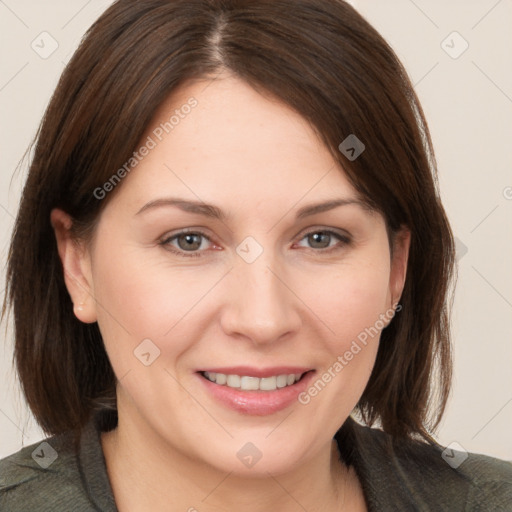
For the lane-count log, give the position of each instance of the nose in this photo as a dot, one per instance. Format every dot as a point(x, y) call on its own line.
point(261, 306)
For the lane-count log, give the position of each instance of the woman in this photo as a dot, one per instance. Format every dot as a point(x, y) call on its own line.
point(230, 245)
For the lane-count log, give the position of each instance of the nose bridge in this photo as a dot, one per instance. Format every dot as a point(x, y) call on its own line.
point(260, 305)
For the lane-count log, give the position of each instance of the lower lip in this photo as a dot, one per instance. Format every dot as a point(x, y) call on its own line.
point(257, 403)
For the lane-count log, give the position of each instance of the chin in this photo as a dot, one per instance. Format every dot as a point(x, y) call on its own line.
point(256, 456)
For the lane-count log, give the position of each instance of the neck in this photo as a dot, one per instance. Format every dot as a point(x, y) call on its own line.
point(148, 474)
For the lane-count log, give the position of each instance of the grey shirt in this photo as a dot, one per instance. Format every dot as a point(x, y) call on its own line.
point(68, 473)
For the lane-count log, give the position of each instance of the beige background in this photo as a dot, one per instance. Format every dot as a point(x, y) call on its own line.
point(468, 102)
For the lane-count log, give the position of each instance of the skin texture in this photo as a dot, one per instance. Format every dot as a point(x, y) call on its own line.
point(296, 304)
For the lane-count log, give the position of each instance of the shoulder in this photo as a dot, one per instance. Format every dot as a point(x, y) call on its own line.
point(43, 476)
point(472, 481)
point(430, 476)
point(490, 482)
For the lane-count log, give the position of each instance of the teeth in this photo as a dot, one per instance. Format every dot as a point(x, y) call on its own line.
point(268, 383)
point(282, 381)
point(233, 381)
point(221, 379)
point(247, 383)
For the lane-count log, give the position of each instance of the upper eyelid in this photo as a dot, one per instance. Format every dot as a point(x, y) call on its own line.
point(185, 232)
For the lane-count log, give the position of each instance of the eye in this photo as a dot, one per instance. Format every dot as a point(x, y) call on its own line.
point(194, 243)
point(324, 239)
point(191, 242)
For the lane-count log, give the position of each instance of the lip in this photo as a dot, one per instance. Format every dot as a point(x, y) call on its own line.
point(257, 403)
point(251, 371)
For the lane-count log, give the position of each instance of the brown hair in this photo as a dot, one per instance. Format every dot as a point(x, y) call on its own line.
point(322, 59)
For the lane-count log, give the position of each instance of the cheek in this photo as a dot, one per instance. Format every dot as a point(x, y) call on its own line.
point(138, 298)
point(349, 299)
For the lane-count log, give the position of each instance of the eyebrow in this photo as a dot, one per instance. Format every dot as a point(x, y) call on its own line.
point(211, 211)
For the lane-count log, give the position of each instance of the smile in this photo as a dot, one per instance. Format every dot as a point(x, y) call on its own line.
point(255, 391)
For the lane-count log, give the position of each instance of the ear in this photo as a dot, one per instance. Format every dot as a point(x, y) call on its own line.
point(76, 265)
point(401, 243)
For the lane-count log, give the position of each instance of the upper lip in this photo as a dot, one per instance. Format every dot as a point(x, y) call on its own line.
point(251, 371)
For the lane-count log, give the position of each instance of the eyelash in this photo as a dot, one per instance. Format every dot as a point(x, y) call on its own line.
point(343, 239)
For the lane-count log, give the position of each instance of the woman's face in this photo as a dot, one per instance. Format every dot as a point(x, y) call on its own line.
point(211, 258)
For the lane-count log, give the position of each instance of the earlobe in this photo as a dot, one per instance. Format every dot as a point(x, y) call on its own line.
point(76, 267)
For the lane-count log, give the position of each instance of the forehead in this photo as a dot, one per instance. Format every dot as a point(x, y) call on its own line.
point(221, 140)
